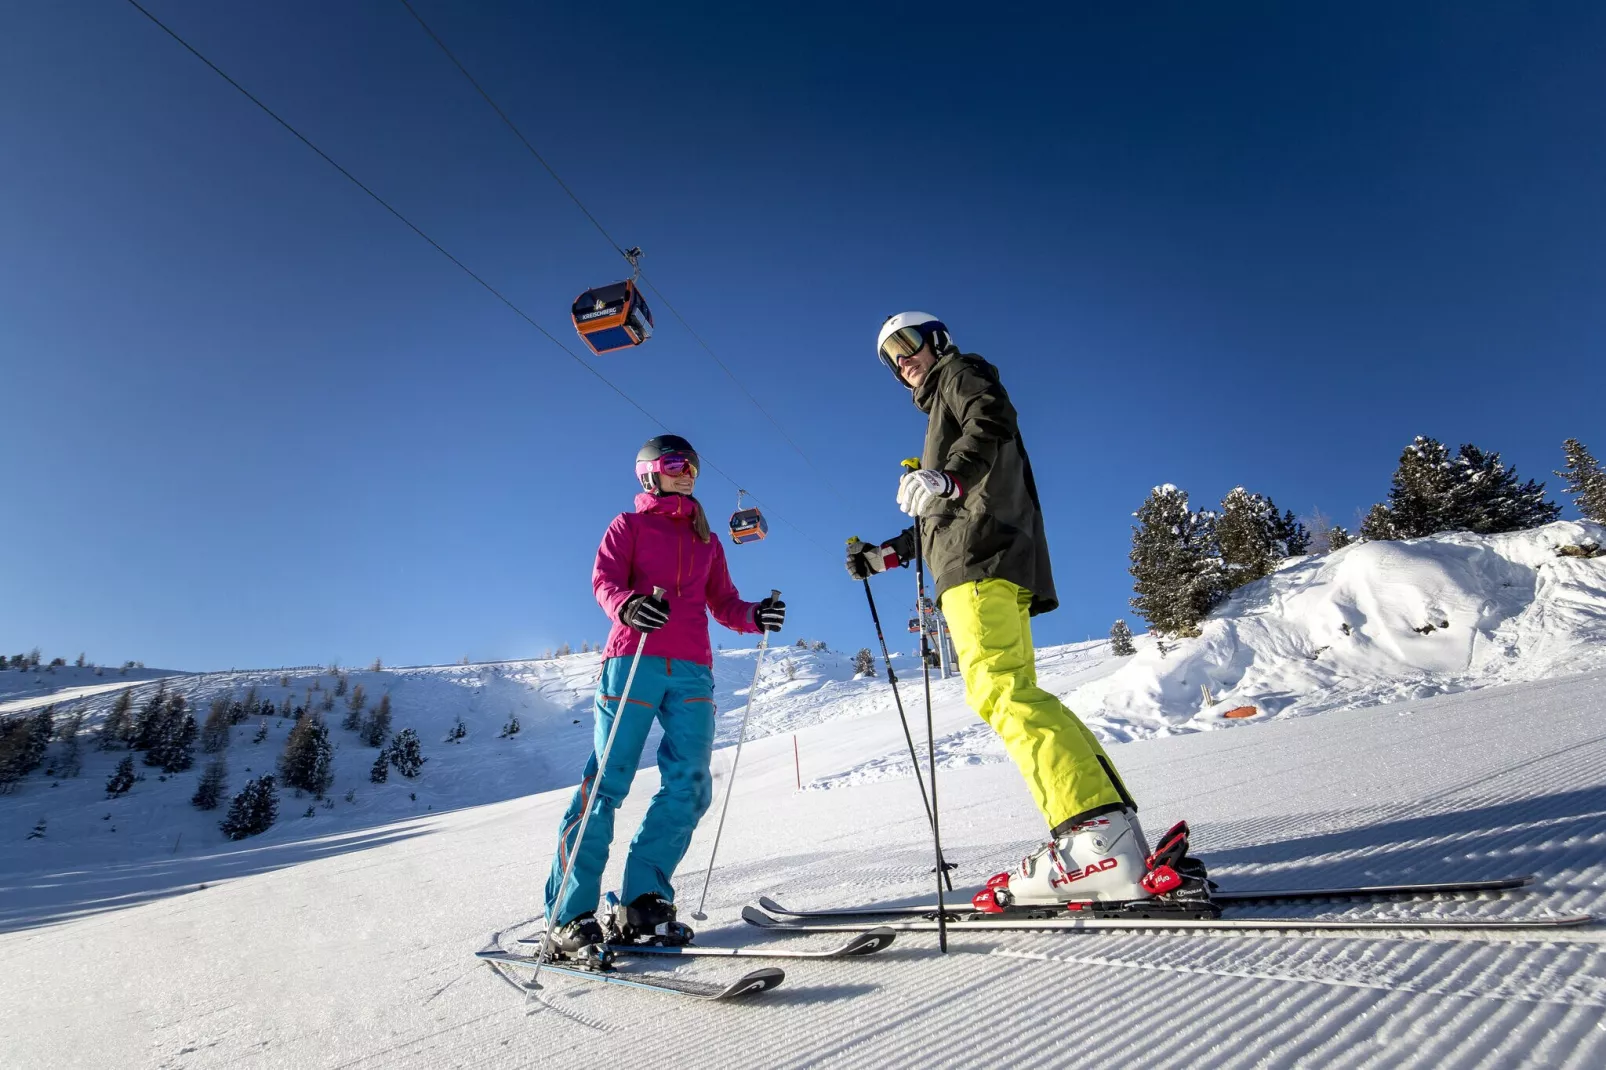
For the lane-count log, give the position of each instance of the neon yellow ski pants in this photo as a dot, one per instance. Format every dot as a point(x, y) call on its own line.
point(1064, 765)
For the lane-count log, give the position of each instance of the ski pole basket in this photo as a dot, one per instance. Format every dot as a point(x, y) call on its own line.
point(612, 317)
point(747, 525)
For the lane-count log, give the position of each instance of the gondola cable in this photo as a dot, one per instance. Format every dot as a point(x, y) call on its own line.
point(437, 246)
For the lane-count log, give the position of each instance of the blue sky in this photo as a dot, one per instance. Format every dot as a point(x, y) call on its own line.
point(250, 419)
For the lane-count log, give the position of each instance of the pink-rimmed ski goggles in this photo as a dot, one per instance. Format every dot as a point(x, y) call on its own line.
point(675, 463)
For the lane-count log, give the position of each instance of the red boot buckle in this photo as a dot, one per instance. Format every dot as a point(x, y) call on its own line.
point(987, 902)
point(1160, 880)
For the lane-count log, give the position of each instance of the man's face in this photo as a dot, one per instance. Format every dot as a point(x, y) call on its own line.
point(916, 367)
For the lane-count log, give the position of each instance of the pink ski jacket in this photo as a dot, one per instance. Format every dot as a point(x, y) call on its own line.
point(655, 546)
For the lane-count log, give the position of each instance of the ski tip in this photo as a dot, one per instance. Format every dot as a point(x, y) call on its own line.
point(771, 905)
point(754, 916)
point(757, 981)
point(871, 941)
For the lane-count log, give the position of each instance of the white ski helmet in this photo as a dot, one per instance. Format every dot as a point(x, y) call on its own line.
point(906, 333)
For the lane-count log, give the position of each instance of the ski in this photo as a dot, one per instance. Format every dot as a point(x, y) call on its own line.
point(1222, 896)
point(863, 942)
point(1064, 923)
point(761, 980)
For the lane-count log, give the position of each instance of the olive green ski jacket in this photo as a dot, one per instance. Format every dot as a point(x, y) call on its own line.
point(995, 529)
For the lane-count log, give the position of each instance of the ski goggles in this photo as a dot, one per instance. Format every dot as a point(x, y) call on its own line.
point(670, 464)
point(901, 344)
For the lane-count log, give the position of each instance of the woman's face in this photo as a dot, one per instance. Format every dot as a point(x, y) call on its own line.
point(681, 484)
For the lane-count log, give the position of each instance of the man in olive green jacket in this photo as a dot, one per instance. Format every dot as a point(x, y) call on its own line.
point(981, 533)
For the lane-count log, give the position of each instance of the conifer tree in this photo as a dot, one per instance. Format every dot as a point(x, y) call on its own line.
point(147, 726)
point(122, 778)
point(380, 771)
point(864, 663)
point(1485, 497)
point(248, 708)
point(69, 764)
point(1338, 537)
point(1288, 535)
point(215, 734)
point(172, 748)
point(1178, 577)
point(377, 725)
point(1585, 480)
point(23, 742)
point(406, 754)
point(116, 727)
point(209, 791)
point(305, 763)
point(1245, 533)
point(1378, 524)
point(1121, 640)
point(262, 733)
point(253, 810)
point(1419, 495)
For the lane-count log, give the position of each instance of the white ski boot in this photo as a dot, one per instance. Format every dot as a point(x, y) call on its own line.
point(1103, 859)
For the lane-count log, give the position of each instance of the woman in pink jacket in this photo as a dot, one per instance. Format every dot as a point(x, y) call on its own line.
point(665, 543)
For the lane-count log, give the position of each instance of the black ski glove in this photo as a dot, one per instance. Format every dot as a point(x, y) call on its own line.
point(865, 559)
point(644, 612)
point(770, 614)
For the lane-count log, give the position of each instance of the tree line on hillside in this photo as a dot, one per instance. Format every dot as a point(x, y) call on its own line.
point(33, 661)
point(1185, 562)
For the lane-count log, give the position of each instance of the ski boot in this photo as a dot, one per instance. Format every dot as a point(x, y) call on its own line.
point(648, 919)
point(1102, 865)
point(580, 940)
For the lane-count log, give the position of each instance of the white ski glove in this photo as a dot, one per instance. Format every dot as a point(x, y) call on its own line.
point(920, 491)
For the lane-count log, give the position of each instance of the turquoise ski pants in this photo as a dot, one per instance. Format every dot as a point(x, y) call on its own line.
point(680, 694)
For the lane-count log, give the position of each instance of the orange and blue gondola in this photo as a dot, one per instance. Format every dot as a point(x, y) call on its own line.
point(613, 317)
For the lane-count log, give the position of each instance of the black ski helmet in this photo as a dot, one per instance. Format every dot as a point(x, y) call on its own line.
point(656, 447)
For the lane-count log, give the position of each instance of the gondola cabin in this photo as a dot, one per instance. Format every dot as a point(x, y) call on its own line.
point(613, 317)
point(748, 525)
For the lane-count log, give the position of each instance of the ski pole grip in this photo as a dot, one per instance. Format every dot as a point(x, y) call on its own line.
point(658, 592)
point(911, 463)
point(774, 593)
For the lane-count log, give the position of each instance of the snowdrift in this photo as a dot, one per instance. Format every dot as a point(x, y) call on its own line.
point(1371, 623)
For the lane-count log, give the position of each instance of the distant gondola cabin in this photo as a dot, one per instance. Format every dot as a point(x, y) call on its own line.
point(613, 317)
point(748, 525)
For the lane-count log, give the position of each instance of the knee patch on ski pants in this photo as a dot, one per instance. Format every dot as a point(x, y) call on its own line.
point(1065, 767)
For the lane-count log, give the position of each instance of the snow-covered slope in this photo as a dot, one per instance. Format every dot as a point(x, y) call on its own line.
point(1374, 622)
point(356, 951)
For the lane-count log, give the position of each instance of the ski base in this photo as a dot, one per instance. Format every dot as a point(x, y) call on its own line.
point(865, 942)
point(1069, 922)
point(760, 980)
point(1220, 896)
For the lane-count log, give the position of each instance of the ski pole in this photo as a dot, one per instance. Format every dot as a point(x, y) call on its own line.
point(931, 736)
point(585, 810)
point(752, 692)
point(908, 737)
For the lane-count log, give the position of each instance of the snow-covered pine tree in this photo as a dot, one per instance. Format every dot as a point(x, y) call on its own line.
point(1585, 480)
point(1338, 537)
point(248, 708)
point(209, 791)
point(340, 684)
point(261, 734)
point(1486, 498)
point(1289, 536)
point(173, 748)
point(147, 726)
point(115, 728)
point(377, 724)
point(1121, 640)
point(304, 765)
point(253, 810)
point(380, 772)
point(215, 734)
point(1419, 495)
point(864, 663)
point(122, 778)
point(1244, 534)
point(1378, 524)
point(406, 754)
point(23, 741)
point(1174, 565)
point(69, 764)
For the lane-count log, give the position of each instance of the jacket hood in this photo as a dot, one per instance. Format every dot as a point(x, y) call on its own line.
point(667, 504)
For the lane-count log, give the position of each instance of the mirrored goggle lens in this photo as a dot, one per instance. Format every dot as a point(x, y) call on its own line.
point(904, 342)
point(678, 464)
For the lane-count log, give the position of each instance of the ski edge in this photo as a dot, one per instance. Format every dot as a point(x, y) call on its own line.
point(754, 981)
point(754, 916)
point(864, 942)
point(1226, 895)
